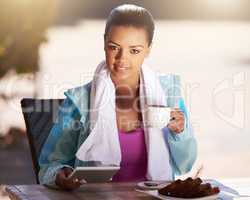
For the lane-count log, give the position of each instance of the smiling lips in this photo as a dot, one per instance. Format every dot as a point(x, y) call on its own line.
point(121, 66)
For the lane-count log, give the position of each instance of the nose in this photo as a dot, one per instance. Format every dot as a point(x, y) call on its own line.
point(122, 55)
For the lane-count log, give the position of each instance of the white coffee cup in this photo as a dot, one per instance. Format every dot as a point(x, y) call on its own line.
point(157, 116)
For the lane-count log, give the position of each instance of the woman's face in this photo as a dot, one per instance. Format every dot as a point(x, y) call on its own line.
point(126, 48)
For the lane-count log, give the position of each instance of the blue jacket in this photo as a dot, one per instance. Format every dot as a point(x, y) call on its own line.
point(72, 128)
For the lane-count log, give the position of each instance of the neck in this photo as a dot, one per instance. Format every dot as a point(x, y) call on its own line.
point(127, 91)
point(127, 85)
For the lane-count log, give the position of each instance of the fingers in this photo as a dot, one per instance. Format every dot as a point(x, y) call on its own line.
point(70, 184)
point(75, 183)
point(176, 126)
point(67, 171)
point(176, 112)
point(177, 121)
point(66, 183)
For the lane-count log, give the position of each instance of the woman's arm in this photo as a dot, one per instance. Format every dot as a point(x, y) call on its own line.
point(61, 145)
point(182, 146)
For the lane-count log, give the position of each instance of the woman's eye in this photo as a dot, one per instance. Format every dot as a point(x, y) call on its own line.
point(111, 47)
point(134, 51)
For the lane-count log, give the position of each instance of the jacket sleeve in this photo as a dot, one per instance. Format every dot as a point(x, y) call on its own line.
point(61, 145)
point(182, 146)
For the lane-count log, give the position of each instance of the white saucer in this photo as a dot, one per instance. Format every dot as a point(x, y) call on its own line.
point(152, 185)
point(155, 193)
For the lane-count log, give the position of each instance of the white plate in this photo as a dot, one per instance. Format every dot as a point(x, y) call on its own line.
point(152, 185)
point(155, 193)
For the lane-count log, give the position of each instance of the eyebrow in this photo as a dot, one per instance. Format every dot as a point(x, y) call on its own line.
point(132, 46)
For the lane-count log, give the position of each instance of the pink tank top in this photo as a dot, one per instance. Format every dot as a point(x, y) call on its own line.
point(134, 157)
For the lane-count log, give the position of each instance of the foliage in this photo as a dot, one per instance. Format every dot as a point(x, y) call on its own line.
point(23, 25)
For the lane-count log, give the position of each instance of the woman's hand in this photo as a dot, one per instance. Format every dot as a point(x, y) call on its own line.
point(64, 182)
point(177, 121)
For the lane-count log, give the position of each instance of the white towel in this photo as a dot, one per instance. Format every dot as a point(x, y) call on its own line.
point(103, 142)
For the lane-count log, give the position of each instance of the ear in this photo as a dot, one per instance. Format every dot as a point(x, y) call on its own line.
point(104, 41)
point(148, 50)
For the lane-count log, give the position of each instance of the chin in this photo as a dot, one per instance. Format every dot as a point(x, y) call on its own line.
point(121, 75)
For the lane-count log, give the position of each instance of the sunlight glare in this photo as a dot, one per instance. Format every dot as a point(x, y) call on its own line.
point(225, 4)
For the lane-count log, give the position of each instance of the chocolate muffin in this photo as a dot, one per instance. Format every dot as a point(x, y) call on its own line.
point(189, 188)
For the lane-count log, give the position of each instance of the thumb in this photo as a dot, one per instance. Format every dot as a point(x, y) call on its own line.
point(67, 171)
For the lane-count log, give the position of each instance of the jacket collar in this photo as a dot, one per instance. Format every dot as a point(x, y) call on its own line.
point(80, 96)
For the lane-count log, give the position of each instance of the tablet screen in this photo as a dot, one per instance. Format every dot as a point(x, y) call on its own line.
point(95, 174)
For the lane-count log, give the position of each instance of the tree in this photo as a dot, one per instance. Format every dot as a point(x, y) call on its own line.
point(23, 25)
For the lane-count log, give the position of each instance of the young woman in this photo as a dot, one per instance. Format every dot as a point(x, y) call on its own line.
point(104, 121)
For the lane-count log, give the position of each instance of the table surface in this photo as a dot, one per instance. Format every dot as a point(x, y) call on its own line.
point(116, 191)
point(230, 188)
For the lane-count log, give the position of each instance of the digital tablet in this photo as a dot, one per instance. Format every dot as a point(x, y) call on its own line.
point(94, 174)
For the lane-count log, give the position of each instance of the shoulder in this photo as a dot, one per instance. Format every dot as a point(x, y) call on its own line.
point(79, 91)
point(171, 86)
point(169, 80)
point(80, 97)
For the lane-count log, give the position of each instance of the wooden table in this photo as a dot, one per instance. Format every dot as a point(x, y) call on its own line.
point(114, 191)
point(230, 189)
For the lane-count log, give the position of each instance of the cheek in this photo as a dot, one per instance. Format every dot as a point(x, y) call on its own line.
point(110, 55)
point(109, 58)
point(138, 62)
